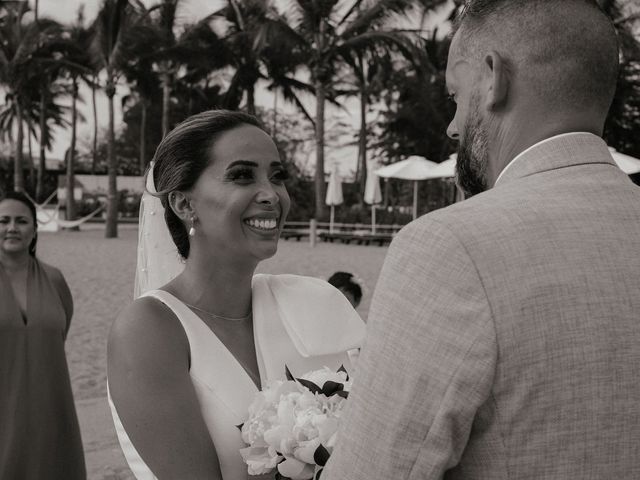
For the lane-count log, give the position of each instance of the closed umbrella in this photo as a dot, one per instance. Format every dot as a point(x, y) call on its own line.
point(626, 163)
point(372, 193)
point(413, 168)
point(334, 193)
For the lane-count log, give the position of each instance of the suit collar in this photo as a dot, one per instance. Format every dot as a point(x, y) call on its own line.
point(561, 151)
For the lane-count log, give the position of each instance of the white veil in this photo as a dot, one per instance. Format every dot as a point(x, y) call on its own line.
point(158, 258)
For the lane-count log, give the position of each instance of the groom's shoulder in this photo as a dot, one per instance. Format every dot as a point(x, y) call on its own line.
point(479, 210)
point(483, 217)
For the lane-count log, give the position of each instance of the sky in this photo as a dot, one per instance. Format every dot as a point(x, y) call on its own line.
point(65, 11)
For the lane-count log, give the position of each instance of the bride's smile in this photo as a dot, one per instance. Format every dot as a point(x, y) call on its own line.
point(263, 224)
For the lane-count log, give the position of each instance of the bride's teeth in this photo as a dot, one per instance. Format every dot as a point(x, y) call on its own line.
point(263, 224)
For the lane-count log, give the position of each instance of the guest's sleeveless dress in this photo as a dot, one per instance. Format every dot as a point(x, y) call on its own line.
point(39, 432)
point(299, 321)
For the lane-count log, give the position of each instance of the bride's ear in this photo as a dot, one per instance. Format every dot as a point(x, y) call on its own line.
point(181, 205)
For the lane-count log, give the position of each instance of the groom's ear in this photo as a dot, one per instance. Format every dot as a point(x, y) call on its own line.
point(497, 81)
point(181, 205)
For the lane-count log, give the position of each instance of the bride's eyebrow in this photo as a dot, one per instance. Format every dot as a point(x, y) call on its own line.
point(245, 163)
point(249, 163)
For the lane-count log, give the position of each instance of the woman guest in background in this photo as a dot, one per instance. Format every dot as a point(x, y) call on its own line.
point(39, 433)
point(349, 286)
point(187, 358)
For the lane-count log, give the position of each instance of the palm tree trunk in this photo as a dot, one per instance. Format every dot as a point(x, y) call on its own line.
point(166, 93)
point(362, 142)
point(43, 131)
point(95, 126)
point(274, 127)
point(111, 228)
point(71, 204)
point(143, 137)
point(251, 100)
point(18, 173)
point(32, 170)
point(319, 178)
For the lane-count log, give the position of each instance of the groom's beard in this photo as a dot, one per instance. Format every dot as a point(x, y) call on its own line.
point(471, 165)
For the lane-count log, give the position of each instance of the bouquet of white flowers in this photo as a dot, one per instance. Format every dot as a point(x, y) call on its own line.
point(292, 424)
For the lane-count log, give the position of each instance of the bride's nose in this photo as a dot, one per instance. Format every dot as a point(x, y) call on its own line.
point(267, 195)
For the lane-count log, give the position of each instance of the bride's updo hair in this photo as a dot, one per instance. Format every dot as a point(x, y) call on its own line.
point(183, 155)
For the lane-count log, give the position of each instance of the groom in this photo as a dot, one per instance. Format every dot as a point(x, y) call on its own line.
point(504, 334)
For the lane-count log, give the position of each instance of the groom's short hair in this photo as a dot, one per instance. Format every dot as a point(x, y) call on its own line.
point(567, 49)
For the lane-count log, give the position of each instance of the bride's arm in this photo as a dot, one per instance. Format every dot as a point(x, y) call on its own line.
point(149, 383)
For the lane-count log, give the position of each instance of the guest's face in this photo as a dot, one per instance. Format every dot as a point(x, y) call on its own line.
point(17, 228)
point(240, 199)
point(467, 126)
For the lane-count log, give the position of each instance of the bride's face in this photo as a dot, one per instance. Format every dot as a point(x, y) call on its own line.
point(240, 199)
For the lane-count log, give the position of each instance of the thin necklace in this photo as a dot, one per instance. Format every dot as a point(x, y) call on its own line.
point(221, 317)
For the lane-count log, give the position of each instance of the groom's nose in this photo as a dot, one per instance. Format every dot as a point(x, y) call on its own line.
point(452, 130)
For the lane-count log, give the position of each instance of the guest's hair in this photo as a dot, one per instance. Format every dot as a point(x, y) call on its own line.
point(568, 47)
point(346, 282)
point(21, 197)
point(184, 154)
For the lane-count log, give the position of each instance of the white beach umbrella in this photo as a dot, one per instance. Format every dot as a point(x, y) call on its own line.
point(334, 193)
point(626, 163)
point(414, 168)
point(372, 193)
point(446, 169)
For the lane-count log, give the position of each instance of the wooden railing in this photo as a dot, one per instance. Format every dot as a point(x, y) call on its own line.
point(360, 233)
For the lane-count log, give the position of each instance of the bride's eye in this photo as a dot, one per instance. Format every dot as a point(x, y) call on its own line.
point(280, 175)
point(240, 175)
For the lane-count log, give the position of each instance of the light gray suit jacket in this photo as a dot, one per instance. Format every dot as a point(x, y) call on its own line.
point(504, 334)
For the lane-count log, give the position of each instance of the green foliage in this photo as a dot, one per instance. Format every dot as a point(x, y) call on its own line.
point(417, 110)
point(622, 128)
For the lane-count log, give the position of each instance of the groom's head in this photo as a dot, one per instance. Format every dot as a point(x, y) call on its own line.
point(521, 71)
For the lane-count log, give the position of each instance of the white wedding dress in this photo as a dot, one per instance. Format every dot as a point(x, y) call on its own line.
point(301, 322)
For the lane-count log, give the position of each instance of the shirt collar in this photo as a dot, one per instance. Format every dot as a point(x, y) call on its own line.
point(535, 145)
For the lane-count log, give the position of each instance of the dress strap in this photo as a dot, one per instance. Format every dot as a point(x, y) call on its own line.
point(209, 356)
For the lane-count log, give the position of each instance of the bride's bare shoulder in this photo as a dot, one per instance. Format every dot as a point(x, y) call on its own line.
point(147, 327)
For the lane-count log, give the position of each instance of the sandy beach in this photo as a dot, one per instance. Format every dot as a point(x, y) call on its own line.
point(100, 273)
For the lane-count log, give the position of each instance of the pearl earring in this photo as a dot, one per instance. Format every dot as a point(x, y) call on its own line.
point(192, 230)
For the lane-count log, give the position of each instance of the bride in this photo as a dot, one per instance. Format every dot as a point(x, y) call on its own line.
point(187, 357)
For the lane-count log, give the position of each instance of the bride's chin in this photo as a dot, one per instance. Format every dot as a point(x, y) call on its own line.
point(268, 251)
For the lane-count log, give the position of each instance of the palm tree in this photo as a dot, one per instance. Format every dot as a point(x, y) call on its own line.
point(255, 59)
point(77, 65)
point(111, 27)
point(368, 67)
point(365, 68)
point(325, 34)
point(197, 49)
point(48, 111)
point(21, 60)
point(33, 111)
point(144, 84)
